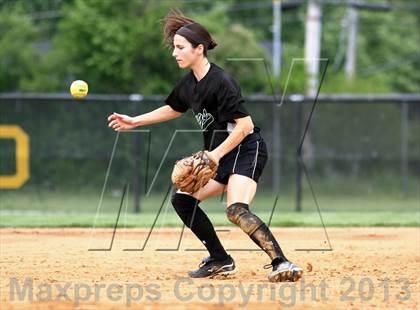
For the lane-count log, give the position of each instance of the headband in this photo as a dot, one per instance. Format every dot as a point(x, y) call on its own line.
point(192, 36)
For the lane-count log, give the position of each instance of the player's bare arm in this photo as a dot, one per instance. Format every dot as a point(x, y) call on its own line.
point(124, 122)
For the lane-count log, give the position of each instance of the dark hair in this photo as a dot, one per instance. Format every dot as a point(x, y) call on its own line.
point(175, 20)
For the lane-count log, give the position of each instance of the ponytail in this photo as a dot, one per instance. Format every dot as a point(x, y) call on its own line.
point(176, 23)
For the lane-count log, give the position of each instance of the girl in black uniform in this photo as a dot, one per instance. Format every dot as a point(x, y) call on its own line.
point(230, 135)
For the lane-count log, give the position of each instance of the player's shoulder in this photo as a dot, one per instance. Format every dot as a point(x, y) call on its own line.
point(223, 77)
point(218, 72)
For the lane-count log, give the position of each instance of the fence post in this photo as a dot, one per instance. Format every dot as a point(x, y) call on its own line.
point(404, 147)
point(298, 132)
point(136, 164)
point(277, 140)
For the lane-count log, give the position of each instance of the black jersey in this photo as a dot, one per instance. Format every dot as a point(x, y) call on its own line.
point(215, 100)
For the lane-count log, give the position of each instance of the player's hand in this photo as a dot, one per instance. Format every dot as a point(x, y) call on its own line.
point(120, 122)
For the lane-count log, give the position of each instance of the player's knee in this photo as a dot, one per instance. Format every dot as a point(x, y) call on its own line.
point(239, 214)
point(235, 211)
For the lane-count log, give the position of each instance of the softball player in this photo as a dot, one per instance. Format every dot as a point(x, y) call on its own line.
point(230, 135)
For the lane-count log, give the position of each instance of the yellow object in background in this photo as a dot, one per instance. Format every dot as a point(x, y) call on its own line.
point(22, 174)
point(79, 89)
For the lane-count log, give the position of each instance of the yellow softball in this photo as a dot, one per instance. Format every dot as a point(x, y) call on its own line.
point(79, 89)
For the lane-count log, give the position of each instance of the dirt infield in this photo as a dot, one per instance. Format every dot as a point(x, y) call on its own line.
point(367, 268)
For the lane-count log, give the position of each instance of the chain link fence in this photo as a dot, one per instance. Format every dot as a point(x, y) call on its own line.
point(360, 149)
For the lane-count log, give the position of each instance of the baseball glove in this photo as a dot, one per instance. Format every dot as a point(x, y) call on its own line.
point(193, 172)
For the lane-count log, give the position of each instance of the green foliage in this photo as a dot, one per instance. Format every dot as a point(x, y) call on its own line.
point(293, 70)
point(388, 58)
point(121, 51)
point(117, 51)
point(18, 56)
point(391, 50)
point(236, 44)
point(339, 83)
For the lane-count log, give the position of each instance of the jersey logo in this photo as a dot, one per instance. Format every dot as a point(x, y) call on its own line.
point(204, 119)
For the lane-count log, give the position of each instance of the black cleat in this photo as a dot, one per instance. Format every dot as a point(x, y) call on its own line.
point(209, 267)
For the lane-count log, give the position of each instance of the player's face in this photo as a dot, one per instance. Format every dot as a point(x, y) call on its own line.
point(185, 54)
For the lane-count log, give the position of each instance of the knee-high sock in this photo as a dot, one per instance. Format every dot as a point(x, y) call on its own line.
point(239, 214)
point(193, 217)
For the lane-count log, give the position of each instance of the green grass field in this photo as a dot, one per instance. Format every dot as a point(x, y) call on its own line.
point(87, 201)
point(283, 219)
point(29, 208)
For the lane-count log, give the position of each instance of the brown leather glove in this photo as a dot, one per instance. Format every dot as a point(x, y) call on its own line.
point(193, 172)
